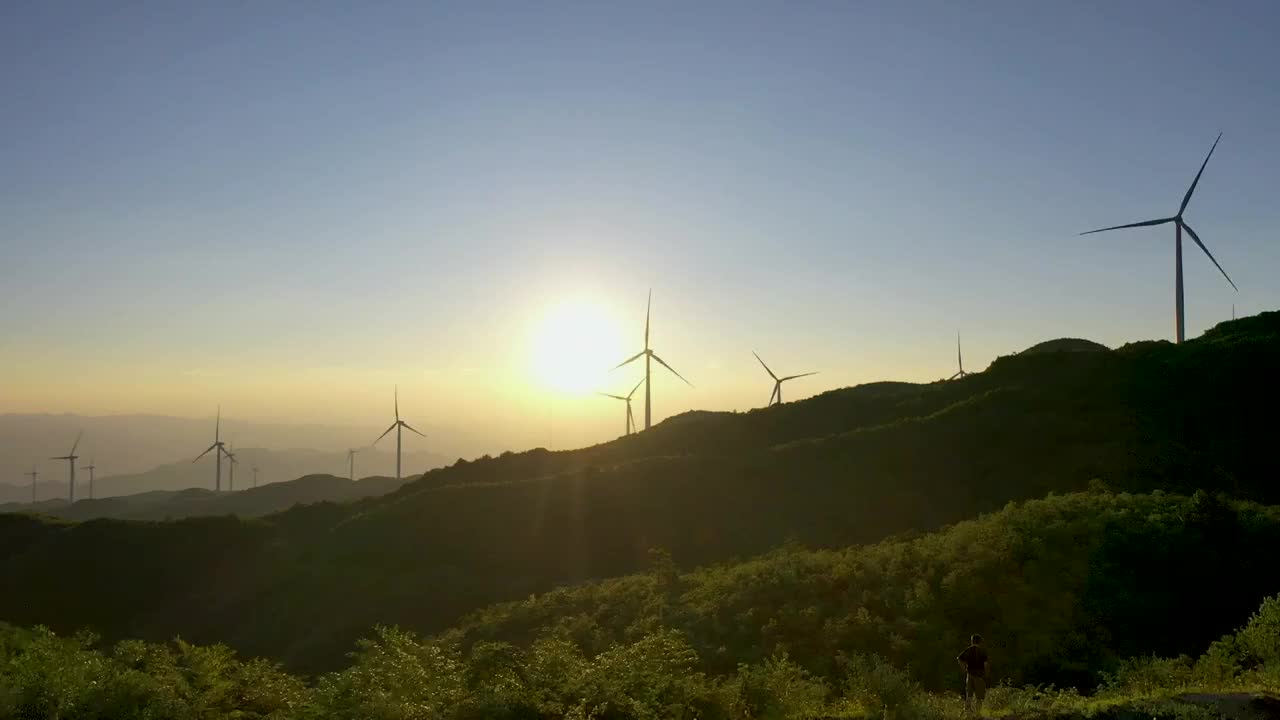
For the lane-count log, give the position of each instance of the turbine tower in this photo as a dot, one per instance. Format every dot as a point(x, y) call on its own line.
point(351, 463)
point(71, 457)
point(255, 476)
point(397, 425)
point(775, 398)
point(1179, 225)
point(90, 467)
point(959, 359)
point(217, 456)
point(231, 469)
point(34, 474)
point(648, 354)
point(631, 419)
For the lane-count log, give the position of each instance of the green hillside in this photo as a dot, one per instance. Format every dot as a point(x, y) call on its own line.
point(849, 466)
point(1077, 589)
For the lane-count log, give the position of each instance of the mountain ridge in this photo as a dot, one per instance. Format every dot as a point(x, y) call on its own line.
point(845, 467)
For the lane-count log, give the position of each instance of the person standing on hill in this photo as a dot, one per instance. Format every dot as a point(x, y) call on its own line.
point(975, 663)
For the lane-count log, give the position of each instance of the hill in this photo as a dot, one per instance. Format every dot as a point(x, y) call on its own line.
point(1066, 345)
point(848, 466)
point(867, 633)
point(193, 502)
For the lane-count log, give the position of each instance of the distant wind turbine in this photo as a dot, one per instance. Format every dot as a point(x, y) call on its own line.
point(396, 426)
point(217, 456)
point(1180, 225)
point(90, 467)
point(631, 419)
point(351, 462)
point(648, 354)
point(255, 476)
point(775, 398)
point(231, 469)
point(34, 474)
point(959, 359)
point(72, 457)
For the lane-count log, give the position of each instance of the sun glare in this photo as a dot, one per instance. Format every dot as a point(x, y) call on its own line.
point(574, 346)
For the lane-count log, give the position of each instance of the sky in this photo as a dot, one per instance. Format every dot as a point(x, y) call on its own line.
point(287, 209)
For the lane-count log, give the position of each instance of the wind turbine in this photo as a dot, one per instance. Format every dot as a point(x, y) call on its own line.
point(1179, 225)
point(959, 359)
point(231, 469)
point(255, 476)
point(34, 474)
point(648, 354)
point(72, 457)
point(90, 467)
point(217, 456)
point(351, 462)
point(776, 396)
point(631, 419)
point(396, 426)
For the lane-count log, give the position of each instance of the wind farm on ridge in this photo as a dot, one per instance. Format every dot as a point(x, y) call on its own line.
point(222, 450)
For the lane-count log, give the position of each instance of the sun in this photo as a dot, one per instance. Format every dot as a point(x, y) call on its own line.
point(573, 346)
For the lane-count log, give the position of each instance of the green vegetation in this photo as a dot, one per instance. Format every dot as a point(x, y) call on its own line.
point(397, 676)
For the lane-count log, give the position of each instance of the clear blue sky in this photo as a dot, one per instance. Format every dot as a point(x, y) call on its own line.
point(251, 203)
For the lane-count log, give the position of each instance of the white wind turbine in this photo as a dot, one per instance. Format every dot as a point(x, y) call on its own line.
point(1179, 225)
point(220, 450)
point(775, 398)
point(72, 457)
point(90, 467)
point(397, 425)
point(648, 354)
point(959, 359)
point(631, 419)
point(231, 469)
point(351, 462)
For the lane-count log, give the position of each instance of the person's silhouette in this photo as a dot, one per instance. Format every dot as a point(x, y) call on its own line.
point(975, 663)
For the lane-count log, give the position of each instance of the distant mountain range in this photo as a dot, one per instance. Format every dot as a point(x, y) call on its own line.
point(141, 453)
point(273, 466)
point(195, 502)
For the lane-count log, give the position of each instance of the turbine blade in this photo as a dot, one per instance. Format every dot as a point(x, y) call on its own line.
point(397, 396)
point(384, 433)
point(1196, 237)
point(630, 359)
point(774, 393)
point(217, 425)
point(647, 307)
point(1144, 223)
point(206, 452)
point(410, 428)
point(615, 397)
point(1187, 198)
point(766, 367)
point(634, 389)
point(673, 370)
point(793, 377)
point(76, 443)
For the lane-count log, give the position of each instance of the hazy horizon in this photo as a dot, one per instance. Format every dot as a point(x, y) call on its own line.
point(287, 213)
